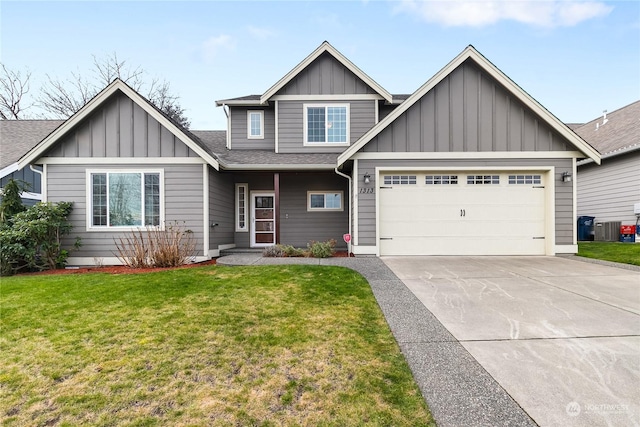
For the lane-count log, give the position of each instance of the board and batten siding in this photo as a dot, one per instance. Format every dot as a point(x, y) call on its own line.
point(291, 125)
point(221, 209)
point(239, 139)
point(468, 111)
point(183, 195)
point(120, 128)
point(609, 191)
point(564, 227)
point(325, 76)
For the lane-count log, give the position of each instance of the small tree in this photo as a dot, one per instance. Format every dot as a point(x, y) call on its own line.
point(11, 202)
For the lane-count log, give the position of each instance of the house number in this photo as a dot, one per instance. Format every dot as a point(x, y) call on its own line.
point(366, 190)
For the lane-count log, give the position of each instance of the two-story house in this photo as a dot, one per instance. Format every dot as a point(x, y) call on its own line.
point(469, 164)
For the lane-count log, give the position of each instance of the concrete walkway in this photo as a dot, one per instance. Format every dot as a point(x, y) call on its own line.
point(458, 390)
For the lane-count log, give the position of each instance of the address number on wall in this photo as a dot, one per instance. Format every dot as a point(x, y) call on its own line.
point(366, 190)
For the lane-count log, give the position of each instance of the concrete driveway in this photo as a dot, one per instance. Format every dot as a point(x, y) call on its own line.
point(560, 336)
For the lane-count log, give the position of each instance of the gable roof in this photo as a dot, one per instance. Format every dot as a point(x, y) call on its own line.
point(19, 136)
point(471, 53)
point(619, 135)
point(325, 47)
point(118, 85)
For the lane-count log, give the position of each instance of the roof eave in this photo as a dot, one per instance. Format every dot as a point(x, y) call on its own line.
point(276, 167)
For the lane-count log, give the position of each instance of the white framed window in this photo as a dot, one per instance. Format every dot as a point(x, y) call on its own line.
point(441, 179)
point(125, 199)
point(324, 200)
point(326, 123)
point(483, 179)
point(241, 207)
point(400, 179)
point(524, 179)
point(255, 124)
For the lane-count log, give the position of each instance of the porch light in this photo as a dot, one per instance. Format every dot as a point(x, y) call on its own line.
point(566, 177)
point(367, 178)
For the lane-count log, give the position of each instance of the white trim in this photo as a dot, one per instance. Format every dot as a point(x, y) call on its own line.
point(253, 195)
point(574, 171)
point(338, 97)
point(117, 85)
point(227, 112)
point(324, 47)
point(278, 167)
point(8, 170)
point(261, 114)
point(325, 143)
point(121, 160)
point(565, 249)
point(104, 261)
point(356, 203)
point(467, 155)
point(43, 183)
point(239, 102)
point(277, 128)
point(324, 193)
point(205, 209)
point(376, 110)
point(89, 200)
point(549, 184)
point(30, 196)
point(471, 53)
point(365, 250)
point(246, 208)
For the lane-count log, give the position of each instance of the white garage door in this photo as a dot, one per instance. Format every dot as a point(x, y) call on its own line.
point(462, 213)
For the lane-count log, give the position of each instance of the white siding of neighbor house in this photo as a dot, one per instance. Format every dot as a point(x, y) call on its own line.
point(609, 191)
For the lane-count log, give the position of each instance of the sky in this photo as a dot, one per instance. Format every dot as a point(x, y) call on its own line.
point(575, 57)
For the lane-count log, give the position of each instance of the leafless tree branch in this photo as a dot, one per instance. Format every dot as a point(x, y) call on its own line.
point(13, 88)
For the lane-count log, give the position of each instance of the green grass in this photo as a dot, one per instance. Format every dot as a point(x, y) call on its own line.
point(627, 253)
point(267, 346)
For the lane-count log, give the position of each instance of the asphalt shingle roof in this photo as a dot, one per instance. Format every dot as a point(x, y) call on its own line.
point(17, 137)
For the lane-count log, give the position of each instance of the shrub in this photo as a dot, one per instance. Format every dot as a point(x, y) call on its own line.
point(275, 251)
point(11, 202)
point(32, 239)
point(321, 249)
point(153, 247)
point(291, 251)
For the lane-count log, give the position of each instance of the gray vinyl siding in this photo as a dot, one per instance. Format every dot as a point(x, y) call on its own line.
point(239, 140)
point(256, 182)
point(221, 209)
point(563, 192)
point(609, 191)
point(468, 111)
point(326, 76)
point(291, 125)
point(183, 195)
point(120, 128)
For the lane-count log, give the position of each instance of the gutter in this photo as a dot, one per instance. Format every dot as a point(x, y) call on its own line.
point(350, 205)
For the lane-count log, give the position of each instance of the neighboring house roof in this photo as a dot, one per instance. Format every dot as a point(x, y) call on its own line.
point(620, 134)
point(19, 136)
point(471, 53)
point(324, 47)
point(262, 159)
point(118, 85)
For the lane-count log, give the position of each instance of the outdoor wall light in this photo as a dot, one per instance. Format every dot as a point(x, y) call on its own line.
point(566, 177)
point(367, 178)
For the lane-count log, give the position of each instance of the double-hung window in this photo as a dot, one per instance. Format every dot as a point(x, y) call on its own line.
point(326, 124)
point(125, 199)
point(255, 124)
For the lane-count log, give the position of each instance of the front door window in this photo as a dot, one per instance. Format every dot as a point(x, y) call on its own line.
point(264, 223)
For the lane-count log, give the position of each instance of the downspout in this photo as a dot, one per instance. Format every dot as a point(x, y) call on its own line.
point(350, 203)
point(42, 183)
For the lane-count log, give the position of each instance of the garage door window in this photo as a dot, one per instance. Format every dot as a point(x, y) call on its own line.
point(441, 179)
point(400, 179)
point(483, 179)
point(524, 179)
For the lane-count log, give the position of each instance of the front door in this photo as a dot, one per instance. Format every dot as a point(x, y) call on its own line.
point(263, 232)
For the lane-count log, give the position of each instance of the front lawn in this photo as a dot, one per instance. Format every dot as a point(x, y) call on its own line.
point(627, 253)
point(272, 345)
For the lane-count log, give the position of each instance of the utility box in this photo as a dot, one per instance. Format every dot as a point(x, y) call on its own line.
point(607, 231)
point(585, 228)
point(628, 233)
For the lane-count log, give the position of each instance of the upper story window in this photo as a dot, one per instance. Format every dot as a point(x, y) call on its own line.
point(326, 124)
point(255, 124)
point(125, 199)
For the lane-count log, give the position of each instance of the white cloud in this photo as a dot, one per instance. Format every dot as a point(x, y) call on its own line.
point(481, 13)
point(260, 33)
point(214, 45)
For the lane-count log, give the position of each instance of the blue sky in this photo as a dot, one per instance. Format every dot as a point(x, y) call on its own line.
point(576, 58)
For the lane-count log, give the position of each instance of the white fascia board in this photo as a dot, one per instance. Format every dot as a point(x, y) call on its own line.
point(8, 170)
point(492, 70)
point(94, 103)
point(277, 167)
point(341, 98)
point(239, 102)
point(121, 160)
point(610, 154)
point(324, 47)
point(462, 155)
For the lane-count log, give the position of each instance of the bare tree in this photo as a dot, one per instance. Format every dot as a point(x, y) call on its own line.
point(14, 86)
point(63, 98)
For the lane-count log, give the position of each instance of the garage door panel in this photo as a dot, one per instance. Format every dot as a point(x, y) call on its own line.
point(462, 219)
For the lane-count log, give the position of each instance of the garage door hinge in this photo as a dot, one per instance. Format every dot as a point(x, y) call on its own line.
point(389, 188)
point(538, 186)
point(539, 237)
point(386, 238)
